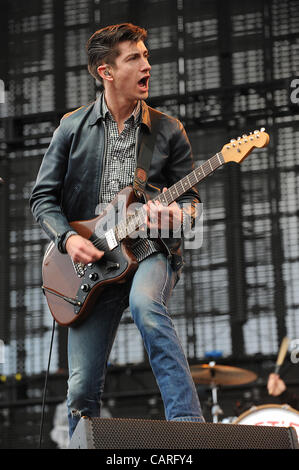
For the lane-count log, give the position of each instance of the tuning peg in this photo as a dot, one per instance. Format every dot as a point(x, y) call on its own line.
point(244, 136)
point(262, 129)
point(256, 132)
point(233, 140)
point(239, 138)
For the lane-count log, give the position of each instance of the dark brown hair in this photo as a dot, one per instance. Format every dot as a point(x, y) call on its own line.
point(102, 45)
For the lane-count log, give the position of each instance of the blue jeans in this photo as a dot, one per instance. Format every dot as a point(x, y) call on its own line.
point(89, 345)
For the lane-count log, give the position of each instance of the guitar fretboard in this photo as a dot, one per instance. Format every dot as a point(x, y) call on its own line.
point(132, 223)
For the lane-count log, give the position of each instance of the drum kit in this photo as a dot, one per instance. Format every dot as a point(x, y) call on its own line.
point(265, 415)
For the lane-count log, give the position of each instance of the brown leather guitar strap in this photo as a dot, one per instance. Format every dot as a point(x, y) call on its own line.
point(145, 155)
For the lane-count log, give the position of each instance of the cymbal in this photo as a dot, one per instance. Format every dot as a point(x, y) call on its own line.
point(221, 375)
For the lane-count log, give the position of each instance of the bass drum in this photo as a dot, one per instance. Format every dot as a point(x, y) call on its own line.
point(271, 415)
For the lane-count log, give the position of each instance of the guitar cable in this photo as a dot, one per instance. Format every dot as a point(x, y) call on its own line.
point(45, 387)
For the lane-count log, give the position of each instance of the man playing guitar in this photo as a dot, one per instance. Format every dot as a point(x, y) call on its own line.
point(92, 156)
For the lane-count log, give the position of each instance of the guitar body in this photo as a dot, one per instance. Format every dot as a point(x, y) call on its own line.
point(62, 279)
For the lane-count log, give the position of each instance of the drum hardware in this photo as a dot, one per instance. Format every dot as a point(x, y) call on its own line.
point(221, 375)
point(215, 375)
point(215, 410)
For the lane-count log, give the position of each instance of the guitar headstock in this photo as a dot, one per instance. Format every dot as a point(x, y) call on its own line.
point(238, 149)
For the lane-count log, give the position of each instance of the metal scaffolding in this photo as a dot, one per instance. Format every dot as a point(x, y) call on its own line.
point(224, 69)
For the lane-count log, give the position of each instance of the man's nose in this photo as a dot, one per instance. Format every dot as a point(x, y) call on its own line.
point(146, 65)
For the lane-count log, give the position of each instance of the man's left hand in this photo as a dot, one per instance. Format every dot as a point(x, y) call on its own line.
point(160, 217)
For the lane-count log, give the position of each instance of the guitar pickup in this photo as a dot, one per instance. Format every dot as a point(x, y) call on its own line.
point(110, 239)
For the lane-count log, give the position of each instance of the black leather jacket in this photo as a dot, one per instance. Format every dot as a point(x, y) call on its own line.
point(68, 183)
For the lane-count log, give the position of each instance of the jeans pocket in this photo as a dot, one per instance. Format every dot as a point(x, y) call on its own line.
point(176, 262)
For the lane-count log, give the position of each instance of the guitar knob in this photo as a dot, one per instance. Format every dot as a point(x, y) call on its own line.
point(85, 287)
point(93, 276)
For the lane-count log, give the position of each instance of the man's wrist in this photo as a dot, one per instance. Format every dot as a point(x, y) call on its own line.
point(67, 236)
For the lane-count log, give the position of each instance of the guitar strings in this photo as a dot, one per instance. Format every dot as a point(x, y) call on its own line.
point(193, 178)
point(101, 244)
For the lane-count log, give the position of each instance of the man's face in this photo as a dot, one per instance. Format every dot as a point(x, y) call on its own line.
point(131, 71)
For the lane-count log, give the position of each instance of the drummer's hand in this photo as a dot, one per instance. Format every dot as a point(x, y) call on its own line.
point(275, 385)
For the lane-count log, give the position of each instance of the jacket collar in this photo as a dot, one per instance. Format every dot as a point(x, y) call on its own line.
point(97, 113)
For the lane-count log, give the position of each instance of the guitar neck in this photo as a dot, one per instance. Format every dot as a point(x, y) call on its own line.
point(197, 175)
point(136, 220)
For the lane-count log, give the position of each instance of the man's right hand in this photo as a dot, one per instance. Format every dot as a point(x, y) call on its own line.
point(82, 250)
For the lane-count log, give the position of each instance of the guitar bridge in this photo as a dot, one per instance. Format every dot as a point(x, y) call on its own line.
point(79, 268)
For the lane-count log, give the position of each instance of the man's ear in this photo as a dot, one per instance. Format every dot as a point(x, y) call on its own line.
point(103, 71)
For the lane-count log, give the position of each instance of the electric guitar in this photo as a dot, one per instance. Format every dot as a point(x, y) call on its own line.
point(72, 288)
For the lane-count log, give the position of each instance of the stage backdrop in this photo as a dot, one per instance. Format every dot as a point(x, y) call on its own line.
point(224, 69)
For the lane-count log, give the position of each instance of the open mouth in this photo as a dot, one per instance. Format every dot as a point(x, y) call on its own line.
point(143, 83)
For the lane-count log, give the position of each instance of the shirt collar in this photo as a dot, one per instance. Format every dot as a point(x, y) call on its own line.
point(97, 112)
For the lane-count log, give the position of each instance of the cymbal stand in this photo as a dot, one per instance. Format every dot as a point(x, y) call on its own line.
point(215, 410)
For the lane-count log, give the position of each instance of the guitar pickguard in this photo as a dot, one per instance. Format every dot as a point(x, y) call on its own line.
point(110, 266)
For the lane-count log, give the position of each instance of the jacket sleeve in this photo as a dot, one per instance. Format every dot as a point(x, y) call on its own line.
point(181, 163)
point(290, 398)
point(45, 200)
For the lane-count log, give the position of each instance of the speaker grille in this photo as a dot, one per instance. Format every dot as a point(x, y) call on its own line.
point(107, 433)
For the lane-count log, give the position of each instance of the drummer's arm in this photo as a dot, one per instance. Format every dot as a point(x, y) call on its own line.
point(277, 387)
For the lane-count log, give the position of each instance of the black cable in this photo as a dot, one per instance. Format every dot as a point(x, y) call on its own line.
point(45, 388)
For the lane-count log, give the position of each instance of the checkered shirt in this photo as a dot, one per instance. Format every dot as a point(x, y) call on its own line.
point(119, 168)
